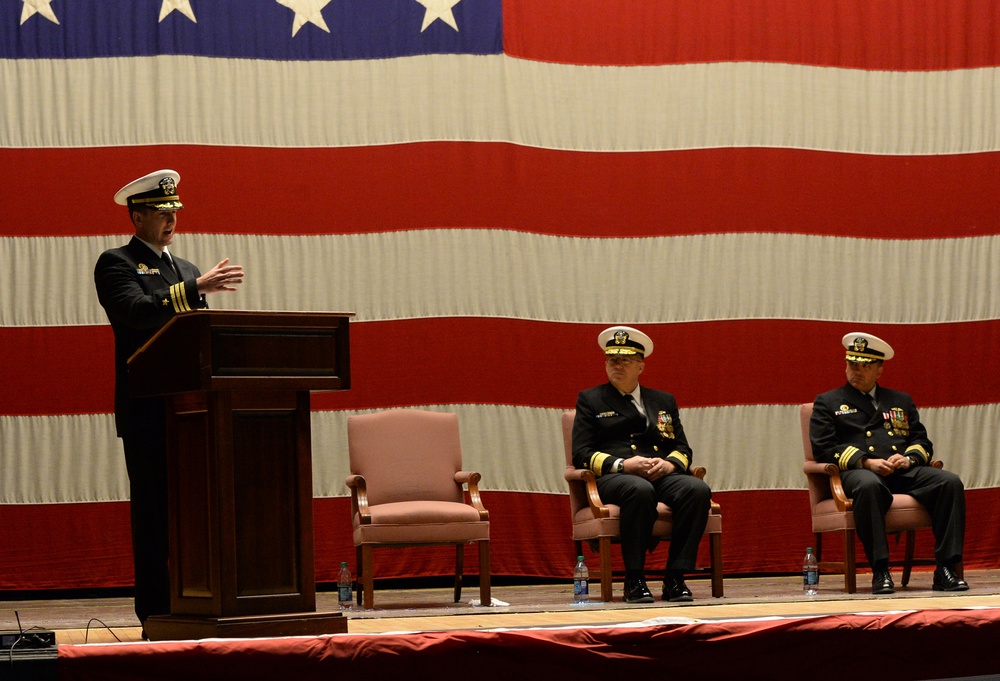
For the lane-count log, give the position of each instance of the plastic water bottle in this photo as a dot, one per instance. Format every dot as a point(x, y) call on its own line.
point(581, 583)
point(344, 592)
point(810, 574)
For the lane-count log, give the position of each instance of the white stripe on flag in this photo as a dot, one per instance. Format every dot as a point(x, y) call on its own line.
point(78, 102)
point(55, 459)
point(494, 273)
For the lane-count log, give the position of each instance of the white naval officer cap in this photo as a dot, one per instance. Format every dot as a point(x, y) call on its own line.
point(158, 191)
point(864, 348)
point(624, 340)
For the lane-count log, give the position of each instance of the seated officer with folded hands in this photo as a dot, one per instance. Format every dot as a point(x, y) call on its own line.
point(875, 437)
point(631, 437)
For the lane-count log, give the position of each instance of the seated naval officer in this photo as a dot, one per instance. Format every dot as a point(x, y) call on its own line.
point(632, 439)
point(875, 437)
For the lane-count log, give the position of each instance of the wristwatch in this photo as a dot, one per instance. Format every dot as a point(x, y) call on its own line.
point(620, 466)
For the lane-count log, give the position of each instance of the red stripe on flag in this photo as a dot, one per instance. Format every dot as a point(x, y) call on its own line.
point(52, 370)
point(243, 190)
point(468, 360)
point(901, 35)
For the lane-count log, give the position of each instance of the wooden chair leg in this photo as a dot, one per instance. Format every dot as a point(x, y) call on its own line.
point(367, 577)
point(715, 546)
point(359, 565)
point(850, 565)
point(605, 555)
point(459, 569)
point(818, 542)
point(911, 537)
point(485, 596)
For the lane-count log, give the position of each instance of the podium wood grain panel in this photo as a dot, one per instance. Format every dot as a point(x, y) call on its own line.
point(240, 466)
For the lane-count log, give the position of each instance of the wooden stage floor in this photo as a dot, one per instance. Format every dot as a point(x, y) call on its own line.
point(547, 605)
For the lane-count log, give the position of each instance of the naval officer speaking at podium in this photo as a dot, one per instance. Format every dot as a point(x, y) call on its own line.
point(141, 286)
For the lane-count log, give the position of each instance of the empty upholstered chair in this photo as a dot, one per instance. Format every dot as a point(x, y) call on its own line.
point(596, 523)
point(407, 489)
point(832, 512)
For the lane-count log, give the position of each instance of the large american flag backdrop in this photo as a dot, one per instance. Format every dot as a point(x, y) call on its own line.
point(487, 184)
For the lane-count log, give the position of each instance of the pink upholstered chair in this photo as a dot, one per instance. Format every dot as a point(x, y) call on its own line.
point(832, 512)
point(596, 523)
point(407, 490)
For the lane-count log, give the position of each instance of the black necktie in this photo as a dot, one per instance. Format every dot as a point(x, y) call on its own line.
point(635, 404)
point(170, 263)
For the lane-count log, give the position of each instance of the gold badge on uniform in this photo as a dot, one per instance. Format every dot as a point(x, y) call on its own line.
point(665, 424)
point(900, 422)
point(144, 270)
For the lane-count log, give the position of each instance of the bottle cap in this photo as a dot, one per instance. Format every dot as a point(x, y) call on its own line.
point(343, 563)
point(579, 559)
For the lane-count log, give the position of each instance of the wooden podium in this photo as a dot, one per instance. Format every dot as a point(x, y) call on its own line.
point(239, 455)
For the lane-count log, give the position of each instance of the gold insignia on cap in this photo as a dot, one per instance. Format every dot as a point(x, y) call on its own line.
point(621, 337)
point(168, 186)
point(860, 344)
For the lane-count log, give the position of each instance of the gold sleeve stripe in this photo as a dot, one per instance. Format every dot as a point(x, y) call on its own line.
point(597, 460)
point(178, 298)
point(919, 451)
point(846, 456)
point(681, 457)
point(173, 297)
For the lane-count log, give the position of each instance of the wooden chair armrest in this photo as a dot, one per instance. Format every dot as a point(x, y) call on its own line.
point(472, 478)
point(837, 489)
point(836, 485)
point(359, 498)
point(582, 475)
point(815, 467)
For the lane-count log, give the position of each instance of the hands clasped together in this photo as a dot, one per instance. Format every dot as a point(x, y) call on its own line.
point(649, 468)
point(888, 466)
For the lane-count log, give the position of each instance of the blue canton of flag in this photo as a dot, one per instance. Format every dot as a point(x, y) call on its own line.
point(264, 29)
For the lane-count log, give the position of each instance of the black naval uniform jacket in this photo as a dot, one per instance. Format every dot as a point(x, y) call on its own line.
point(845, 428)
point(608, 426)
point(140, 293)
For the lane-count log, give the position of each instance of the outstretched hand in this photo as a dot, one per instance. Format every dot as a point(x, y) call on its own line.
point(222, 277)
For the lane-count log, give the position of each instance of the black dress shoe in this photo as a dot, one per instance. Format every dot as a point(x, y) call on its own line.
point(675, 590)
point(945, 579)
point(882, 583)
point(636, 591)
